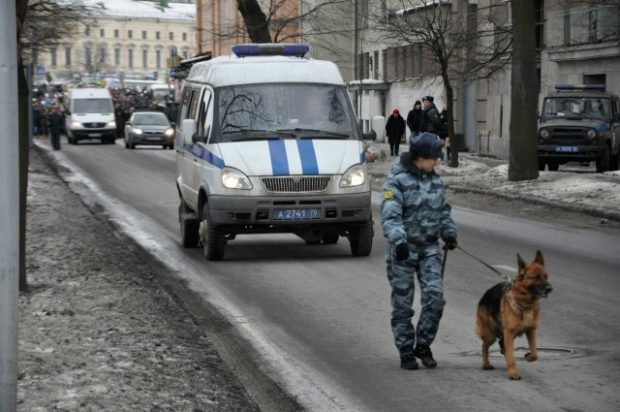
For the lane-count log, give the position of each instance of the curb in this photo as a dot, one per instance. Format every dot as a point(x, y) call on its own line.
point(588, 210)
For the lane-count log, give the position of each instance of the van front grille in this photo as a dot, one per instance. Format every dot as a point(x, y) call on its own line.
point(94, 125)
point(296, 184)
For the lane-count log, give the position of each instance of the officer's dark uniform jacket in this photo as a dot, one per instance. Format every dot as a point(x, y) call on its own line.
point(415, 208)
point(431, 121)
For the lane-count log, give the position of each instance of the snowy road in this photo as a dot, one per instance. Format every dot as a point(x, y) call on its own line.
point(319, 318)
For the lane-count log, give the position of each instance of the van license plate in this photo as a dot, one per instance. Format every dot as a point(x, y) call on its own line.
point(296, 214)
point(566, 149)
point(94, 135)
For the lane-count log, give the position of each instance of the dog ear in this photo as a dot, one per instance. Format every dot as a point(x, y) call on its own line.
point(522, 266)
point(539, 258)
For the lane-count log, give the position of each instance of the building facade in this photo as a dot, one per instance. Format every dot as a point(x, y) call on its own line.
point(220, 25)
point(125, 39)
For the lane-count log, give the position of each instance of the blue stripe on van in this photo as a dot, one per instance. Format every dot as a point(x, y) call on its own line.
point(204, 154)
point(279, 160)
point(309, 165)
point(362, 158)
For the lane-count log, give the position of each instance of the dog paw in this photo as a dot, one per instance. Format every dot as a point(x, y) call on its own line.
point(488, 367)
point(530, 358)
point(515, 377)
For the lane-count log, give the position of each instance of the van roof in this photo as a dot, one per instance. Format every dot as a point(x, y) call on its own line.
point(89, 92)
point(232, 70)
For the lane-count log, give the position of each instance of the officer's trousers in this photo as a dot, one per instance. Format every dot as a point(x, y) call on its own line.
point(401, 278)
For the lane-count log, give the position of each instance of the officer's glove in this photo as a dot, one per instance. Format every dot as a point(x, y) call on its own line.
point(450, 243)
point(402, 251)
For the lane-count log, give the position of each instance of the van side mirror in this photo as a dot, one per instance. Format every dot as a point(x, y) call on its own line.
point(189, 130)
point(371, 135)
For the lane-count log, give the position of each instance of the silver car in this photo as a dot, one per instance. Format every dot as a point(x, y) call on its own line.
point(149, 128)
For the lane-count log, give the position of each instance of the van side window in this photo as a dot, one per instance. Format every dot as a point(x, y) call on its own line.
point(193, 104)
point(187, 92)
point(204, 121)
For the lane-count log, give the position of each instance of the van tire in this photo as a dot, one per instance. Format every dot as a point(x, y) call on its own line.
point(330, 238)
point(189, 227)
point(602, 161)
point(541, 165)
point(212, 238)
point(553, 165)
point(360, 238)
point(614, 161)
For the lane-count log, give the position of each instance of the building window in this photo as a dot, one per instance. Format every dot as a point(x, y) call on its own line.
point(144, 34)
point(101, 33)
point(87, 56)
point(102, 55)
point(158, 59)
point(53, 56)
point(145, 56)
point(116, 33)
point(130, 58)
point(375, 68)
point(67, 56)
point(184, 36)
point(87, 31)
point(567, 28)
point(130, 34)
point(171, 36)
point(593, 25)
point(157, 35)
point(185, 55)
point(117, 57)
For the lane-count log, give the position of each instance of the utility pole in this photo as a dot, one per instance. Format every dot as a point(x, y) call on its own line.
point(9, 207)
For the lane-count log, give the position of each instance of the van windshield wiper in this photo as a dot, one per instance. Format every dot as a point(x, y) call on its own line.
point(325, 133)
point(254, 134)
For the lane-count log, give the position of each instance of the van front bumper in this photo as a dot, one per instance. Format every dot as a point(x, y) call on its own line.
point(333, 211)
point(84, 134)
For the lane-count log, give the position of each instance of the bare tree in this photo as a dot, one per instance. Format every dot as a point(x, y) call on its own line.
point(451, 38)
point(524, 95)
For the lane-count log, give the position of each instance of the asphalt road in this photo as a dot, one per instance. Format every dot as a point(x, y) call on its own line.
point(319, 318)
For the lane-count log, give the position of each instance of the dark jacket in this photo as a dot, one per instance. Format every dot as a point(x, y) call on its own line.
point(430, 120)
point(55, 121)
point(414, 119)
point(395, 128)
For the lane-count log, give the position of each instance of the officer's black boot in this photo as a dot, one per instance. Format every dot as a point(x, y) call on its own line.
point(407, 360)
point(426, 356)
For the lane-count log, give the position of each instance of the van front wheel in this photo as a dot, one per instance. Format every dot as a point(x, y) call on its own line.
point(212, 238)
point(360, 238)
point(189, 227)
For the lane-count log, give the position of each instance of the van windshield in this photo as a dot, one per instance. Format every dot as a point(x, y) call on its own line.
point(260, 111)
point(92, 105)
point(576, 108)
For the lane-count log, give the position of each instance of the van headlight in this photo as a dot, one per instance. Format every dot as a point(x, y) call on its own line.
point(234, 179)
point(544, 133)
point(354, 176)
point(76, 125)
point(137, 131)
point(111, 124)
point(169, 132)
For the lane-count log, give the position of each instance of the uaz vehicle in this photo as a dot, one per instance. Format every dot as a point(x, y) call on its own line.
point(579, 123)
point(268, 142)
point(149, 128)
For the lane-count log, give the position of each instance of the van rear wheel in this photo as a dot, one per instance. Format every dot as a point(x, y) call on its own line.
point(212, 238)
point(602, 161)
point(360, 238)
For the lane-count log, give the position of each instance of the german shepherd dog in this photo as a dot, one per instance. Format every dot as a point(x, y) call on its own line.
point(510, 310)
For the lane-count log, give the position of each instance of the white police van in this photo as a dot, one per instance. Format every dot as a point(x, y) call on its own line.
point(267, 142)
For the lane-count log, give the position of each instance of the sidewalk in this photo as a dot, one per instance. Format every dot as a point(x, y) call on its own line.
point(573, 188)
point(97, 329)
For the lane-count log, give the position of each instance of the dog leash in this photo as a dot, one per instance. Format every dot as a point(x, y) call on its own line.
point(497, 272)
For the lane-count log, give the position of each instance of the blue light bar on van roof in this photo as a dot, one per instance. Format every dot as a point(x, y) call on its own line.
point(564, 87)
point(270, 49)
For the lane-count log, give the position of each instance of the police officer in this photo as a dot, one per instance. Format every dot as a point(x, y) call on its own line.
point(415, 214)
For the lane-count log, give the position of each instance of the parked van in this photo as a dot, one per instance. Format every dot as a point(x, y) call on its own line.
point(268, 142)
point(90, 115)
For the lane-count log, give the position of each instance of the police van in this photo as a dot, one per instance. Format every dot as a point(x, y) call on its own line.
point(267, 142)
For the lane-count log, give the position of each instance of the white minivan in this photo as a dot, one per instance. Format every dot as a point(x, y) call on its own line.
point(267, 142)
point(90, 115)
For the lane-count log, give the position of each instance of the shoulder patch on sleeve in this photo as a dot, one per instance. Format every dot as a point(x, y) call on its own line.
point(388, 194)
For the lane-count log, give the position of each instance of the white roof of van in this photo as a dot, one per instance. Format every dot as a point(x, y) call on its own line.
point(89, 92)
point(232, 70)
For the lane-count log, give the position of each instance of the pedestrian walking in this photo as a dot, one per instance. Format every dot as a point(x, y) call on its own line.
point(55, 119)
point(414, 118)
point(430, 121)
point(395, 129)
point(415, 214)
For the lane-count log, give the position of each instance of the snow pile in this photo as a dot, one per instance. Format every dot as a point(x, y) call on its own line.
point(466, 168)
point(143, 9)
